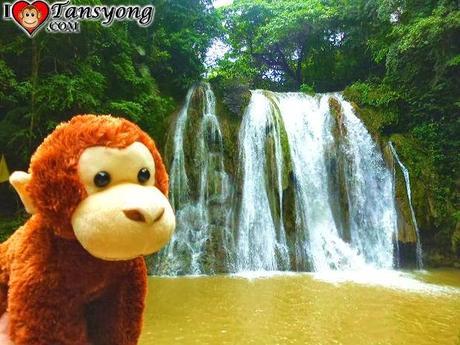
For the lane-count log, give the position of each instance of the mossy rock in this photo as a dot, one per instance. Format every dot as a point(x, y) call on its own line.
point(229, 129)
point(284, 141)
point(433, 193)
point(433, 211)
point(287, 162)
point(230, 122)
point(406, 229)
point(371, 118)
point(234, 95)
point(169, 141)
point(336, 163)
point(336, 110)
point(421, 172)
point(381, 120)
point(289, 208)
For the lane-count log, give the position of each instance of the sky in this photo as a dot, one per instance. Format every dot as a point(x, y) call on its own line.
point(220, 3)
point(218, 48)
point(215, 52)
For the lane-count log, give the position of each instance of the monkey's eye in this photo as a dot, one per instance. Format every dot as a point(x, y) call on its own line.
point(143, 175)
point(102, 179)
point(32, 14)
point(27, 14)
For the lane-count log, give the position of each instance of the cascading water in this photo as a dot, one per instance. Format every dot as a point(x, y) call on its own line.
point(322, 239)
point(314, 191)
point(261, 237)
point(373, 218)
point(405, 172)
point(201, 213)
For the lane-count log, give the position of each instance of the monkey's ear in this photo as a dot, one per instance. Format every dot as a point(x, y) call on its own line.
point(39, 14)
point(20, 180)
point(21, 15)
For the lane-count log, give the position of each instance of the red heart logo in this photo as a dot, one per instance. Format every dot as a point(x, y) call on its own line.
point(30, 16)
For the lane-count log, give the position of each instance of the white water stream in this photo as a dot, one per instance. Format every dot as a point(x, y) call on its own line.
point(314, 191)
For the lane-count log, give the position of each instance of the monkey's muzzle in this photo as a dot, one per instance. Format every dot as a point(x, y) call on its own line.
point(123, 222)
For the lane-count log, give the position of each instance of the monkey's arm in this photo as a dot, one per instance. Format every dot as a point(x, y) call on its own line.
point(116, 319)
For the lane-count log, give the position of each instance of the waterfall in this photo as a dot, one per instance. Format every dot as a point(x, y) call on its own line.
point(320, 241)
point(310, 190)
point(202, 236)
point(405, 172)
point(178, 181)
point(261, 237)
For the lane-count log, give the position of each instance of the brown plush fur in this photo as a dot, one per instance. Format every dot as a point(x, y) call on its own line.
point(53, 290)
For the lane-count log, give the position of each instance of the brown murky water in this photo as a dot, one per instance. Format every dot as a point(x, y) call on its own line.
point(305, 309)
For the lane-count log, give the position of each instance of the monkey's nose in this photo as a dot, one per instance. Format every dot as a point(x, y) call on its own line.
point(135, 215)
point(139, 215)
point(158, 214)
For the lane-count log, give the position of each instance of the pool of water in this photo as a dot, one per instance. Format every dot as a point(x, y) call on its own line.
point(359, 308)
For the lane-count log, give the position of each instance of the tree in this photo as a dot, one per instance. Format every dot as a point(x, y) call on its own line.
point(183, 31)
point(290, 43)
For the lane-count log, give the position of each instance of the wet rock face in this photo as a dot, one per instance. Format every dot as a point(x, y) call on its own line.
point(406, 230)
point(337, 165)
point(201, 190)
point(210, 200)
point(436, 216)
point(336, 110)
point(234, 95)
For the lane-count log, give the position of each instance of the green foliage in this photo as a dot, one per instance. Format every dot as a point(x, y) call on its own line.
point(123, 70)
point(308, 89)
point(10, 225)
point(379, 107)
point(182, 33)
point(418, 97)
point(118, 70)
point(283, 44)
point(240, 70)
point(375, 95)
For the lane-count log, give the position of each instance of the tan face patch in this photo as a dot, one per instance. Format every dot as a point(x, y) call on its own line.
point(123, 165)
point(124, 215)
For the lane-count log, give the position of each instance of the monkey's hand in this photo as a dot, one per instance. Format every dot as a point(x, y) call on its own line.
point(4, 338)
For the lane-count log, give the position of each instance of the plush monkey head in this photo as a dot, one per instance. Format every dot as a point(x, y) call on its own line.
point(100, 180)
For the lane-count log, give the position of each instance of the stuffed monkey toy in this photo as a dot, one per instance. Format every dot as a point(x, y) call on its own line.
point(74, 273)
